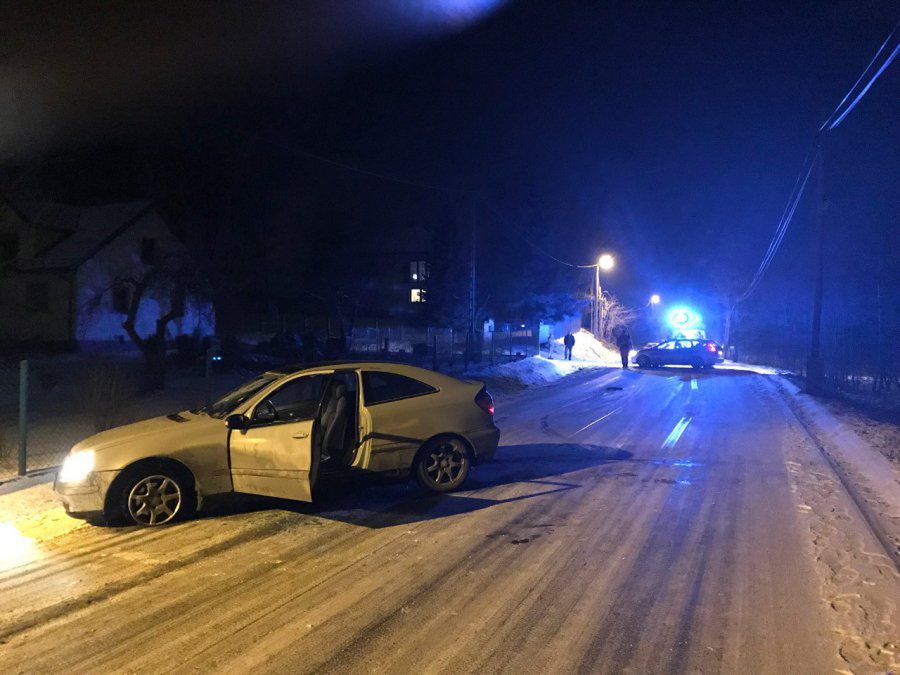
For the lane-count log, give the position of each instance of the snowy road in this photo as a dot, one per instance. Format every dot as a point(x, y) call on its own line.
point(642, 521)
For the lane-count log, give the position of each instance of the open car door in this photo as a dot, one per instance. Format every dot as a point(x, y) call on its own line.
point(277, 454)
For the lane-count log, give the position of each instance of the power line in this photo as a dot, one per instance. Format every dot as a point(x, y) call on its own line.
point(866, 88)
point(538, 248)
point(781, 229)
point(833, 120)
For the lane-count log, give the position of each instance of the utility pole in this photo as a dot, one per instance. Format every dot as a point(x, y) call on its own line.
point(595, 314)
point(815, 367)
point(472, 304)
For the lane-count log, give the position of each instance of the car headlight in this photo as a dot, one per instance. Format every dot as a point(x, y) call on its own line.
point(77, 466)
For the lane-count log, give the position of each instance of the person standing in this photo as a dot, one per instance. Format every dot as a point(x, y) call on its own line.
point(569, 342)
point(623, 342)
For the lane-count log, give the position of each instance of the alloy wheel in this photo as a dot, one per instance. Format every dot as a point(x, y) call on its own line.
point(154, 500)
point(446, 462)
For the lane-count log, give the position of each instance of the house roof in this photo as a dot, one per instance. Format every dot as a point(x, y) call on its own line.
point(60, 217)
point(92, 228)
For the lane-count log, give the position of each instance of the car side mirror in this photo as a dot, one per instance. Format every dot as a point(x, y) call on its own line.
point(238, 421)
point(265, 412)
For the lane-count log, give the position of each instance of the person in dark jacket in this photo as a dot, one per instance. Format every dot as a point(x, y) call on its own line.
point(569, 342)
point(623, 342)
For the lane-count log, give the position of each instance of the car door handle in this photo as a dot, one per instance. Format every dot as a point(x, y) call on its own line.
point(300, 434)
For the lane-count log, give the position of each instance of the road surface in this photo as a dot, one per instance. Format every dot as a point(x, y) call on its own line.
point(633, 521)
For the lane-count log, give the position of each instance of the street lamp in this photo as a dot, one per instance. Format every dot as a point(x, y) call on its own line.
point(605, 262)
point(654, 299)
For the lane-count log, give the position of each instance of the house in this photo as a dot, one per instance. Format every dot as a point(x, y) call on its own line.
point(65, 274)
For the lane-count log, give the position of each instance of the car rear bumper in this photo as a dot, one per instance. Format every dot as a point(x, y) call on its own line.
point(485, 442)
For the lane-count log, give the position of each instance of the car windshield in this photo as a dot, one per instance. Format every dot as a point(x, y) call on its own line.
point(234, 398)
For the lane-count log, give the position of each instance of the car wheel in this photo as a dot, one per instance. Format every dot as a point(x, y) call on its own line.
point(643, 362)
point(442, 464)
point(156, 495)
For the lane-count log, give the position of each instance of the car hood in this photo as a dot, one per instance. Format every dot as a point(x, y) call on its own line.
point(174, 425)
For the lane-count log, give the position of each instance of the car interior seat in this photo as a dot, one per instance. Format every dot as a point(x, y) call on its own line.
point(334, 421)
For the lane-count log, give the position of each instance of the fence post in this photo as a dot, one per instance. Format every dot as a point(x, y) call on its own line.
point(23, 417)
point(208, 377)
point(468, 345)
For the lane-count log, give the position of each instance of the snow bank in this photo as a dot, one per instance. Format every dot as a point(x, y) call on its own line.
point(530, 372)
point(752, 368)
point(539, 370)
point(862, 463)
point(587, 348)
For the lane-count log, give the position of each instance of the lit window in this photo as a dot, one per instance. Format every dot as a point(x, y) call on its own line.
point(419, 270)
point(417, 295)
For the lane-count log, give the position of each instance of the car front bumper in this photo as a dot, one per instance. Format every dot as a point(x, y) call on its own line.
point(86, 497)
point(485, 442)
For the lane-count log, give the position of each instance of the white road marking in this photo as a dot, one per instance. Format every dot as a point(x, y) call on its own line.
point(694, 384)
point(599, 419)
point(675, 434)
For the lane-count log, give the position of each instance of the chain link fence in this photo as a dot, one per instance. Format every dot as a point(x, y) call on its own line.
point(50, 403)
point(444, 348)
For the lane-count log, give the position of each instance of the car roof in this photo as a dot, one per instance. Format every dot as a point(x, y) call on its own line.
point(292, 368)
point(429, 376)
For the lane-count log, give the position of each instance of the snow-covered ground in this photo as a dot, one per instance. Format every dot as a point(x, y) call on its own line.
point(875, 477)
point(539, 370)
point(588, 348)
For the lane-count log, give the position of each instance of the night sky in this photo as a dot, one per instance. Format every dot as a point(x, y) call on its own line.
point(667, 133)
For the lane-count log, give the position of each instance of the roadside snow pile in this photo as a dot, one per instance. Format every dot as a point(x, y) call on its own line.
point(587, 348)
point(533, 371)
point(857, 457)
point(753, 368)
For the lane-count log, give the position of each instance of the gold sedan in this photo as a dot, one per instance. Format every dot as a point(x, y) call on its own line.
point(276, 433)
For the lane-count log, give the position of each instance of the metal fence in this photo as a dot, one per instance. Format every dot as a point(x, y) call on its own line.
point(50, 403)
point(445, 348)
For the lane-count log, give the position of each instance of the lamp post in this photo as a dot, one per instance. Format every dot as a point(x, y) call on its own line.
point(605, 262)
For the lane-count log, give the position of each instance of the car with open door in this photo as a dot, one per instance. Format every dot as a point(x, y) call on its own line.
point(277, 433)
point(699, 353)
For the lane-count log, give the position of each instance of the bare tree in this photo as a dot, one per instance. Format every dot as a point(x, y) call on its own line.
point(170, 281)
point(614, 316)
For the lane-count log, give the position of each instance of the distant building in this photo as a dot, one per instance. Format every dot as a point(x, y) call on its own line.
point(402, 275)
point(61, 269)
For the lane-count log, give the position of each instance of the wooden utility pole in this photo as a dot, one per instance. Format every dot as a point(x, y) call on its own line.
point(470, 343)
point(595, 313)
point(472, 303)
point(815, 367)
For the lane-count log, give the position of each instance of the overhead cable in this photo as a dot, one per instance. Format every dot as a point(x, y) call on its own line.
point(838, 115)
point(781, 229)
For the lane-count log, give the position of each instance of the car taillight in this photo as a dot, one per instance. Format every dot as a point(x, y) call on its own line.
point(485, 401)
point(711, 346)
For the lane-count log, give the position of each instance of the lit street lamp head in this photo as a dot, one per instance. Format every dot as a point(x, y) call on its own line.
point(654, 299)
point(606, 262)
